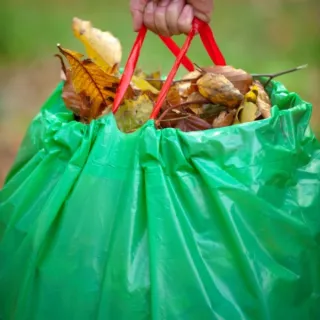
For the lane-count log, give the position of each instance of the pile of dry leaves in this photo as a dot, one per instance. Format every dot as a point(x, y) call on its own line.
point(210, 97)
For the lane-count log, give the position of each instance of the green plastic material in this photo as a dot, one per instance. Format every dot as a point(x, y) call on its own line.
point(162, 224)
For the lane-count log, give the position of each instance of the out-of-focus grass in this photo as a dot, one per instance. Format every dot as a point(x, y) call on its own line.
point(259, 36)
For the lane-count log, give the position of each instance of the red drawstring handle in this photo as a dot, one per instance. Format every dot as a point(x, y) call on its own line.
point(208, 41)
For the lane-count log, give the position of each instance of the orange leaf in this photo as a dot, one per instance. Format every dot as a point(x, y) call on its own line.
point(173, 97)
point(91, 81)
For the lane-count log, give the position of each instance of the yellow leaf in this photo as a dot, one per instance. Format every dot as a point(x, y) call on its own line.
point(143, 85)
point(102, 47)
point(132, 114)
point(91, 82)
point(154, 78)
point(219, 90)
point(248, 110)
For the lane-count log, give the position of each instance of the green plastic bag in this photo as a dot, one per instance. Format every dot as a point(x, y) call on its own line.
point(162, 224)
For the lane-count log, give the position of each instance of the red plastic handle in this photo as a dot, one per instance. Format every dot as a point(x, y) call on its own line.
point(208, 41)
point(174, 48)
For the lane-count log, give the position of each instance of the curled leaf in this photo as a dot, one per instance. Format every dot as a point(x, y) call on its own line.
point(241, 79)
point(102, 47)
point(224, 119)
point(219, 90)
point(263, 100)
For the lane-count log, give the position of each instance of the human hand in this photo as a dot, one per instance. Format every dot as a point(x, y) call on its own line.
point(169, 17)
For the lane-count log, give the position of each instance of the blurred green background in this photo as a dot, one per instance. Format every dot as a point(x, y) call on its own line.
point(256, 35)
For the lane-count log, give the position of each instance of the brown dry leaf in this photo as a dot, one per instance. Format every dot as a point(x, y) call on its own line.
point(90, 81)
point(238, 77)
point(219, 90)
point(132, 114)
point(263, 100)
point(192, 123)
point(77, 103)
point(173, 97)
point(171, 119)
point(224, 119)
point(102, 47)
point(199, 100)
point(188, 87)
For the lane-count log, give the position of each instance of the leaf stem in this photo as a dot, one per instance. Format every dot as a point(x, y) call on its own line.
point(63, 66)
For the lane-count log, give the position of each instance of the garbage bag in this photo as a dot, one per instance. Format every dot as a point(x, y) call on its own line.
point(163, 224)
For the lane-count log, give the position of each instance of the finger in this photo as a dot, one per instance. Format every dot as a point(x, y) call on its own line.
point(173, 13)
point(160, 18)
point(202, 9)
point(148, 17)
point(137, 9)
point(202, 16)
point(185, 19)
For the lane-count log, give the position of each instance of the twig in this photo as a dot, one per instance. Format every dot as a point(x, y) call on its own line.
point(273, 75)
point(174, 119)
point(269, 75)
point(175, 81)
point(198, 68)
